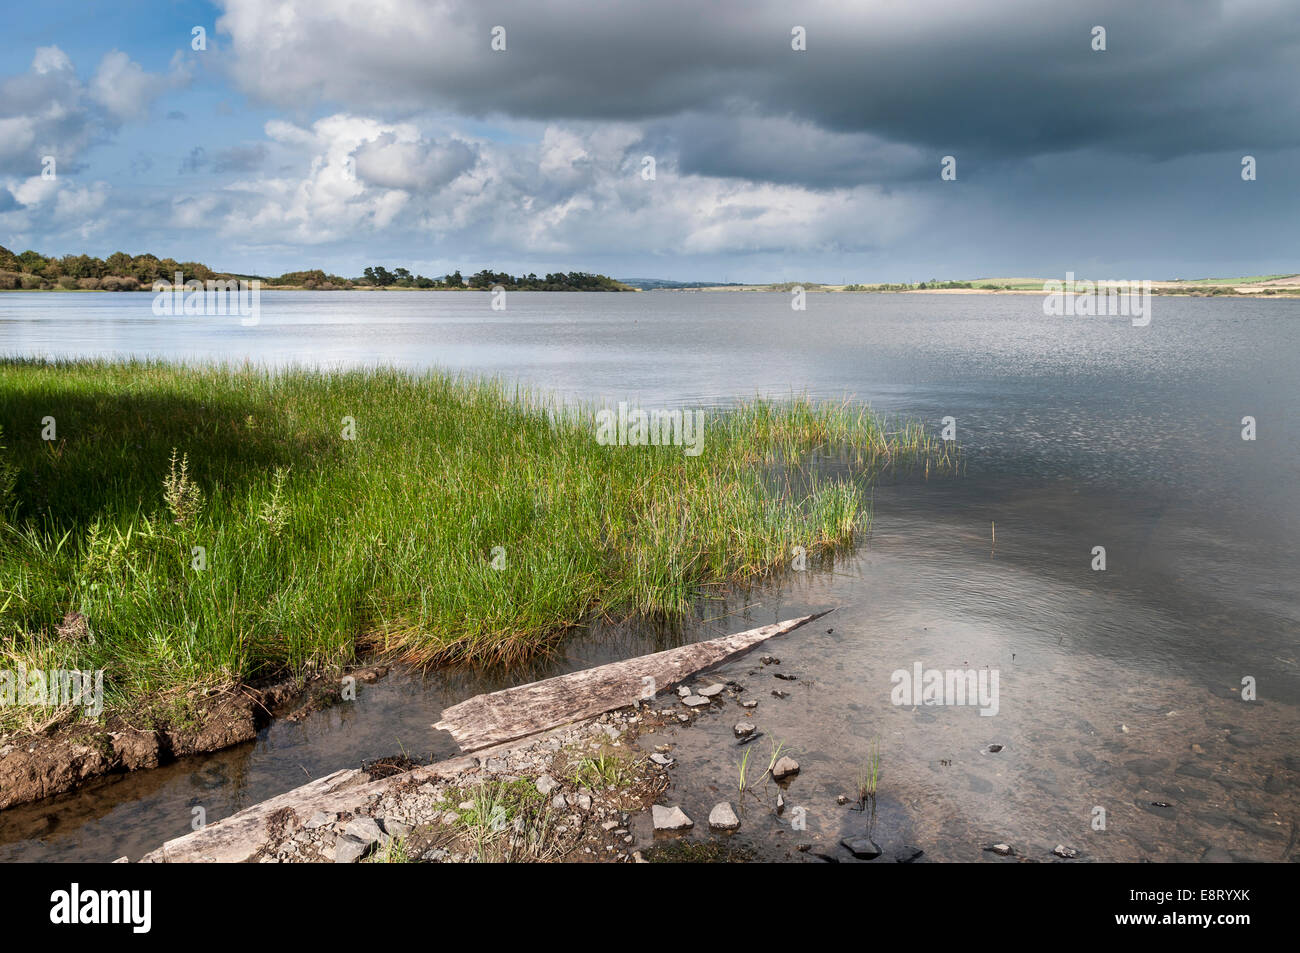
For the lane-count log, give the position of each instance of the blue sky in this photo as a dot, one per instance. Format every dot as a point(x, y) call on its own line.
point(337, 134)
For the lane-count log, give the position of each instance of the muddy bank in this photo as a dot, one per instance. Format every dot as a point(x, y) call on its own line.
point(39, 765)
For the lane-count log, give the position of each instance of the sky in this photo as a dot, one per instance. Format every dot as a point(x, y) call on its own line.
point(680, 140)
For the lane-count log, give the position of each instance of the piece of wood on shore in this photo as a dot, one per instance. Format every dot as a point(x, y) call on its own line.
point(240, 837)
point(527, 709)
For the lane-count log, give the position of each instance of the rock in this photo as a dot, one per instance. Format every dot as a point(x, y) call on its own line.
point(780, 694)
point(609, 825)
point(1216, 855)
point(784, 768)
point(123, 860)
point(683, 691)
point(694, 701)
point(993, 749)
point(584, 803)
point(348, 850)
point(546, 784)
point(559, 802)
point(1159, 808)
point(841, 799)
point(862, 847)
point(743, 729)
point(713, 690)
point(466, 805)
point(319, 819)
point(1002, 850)
point(786, 678)
point(723, 818)
point(684, 718)
point(395, 828)
point(770, 660)
point(670, 818)
point(749, 703)
point(661, 759)
point(780, 803)
point(1069, 853)
point(364, 829)
point(907, 854)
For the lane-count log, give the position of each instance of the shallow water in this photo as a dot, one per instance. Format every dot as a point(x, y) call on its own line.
point(1078, 432)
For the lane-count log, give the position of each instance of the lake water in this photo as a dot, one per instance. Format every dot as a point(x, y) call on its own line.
point(1118, 689)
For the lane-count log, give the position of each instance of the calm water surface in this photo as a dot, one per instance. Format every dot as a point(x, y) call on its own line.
point(1118, 689)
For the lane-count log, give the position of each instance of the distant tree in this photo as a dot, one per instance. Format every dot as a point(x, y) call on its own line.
point(118, 263)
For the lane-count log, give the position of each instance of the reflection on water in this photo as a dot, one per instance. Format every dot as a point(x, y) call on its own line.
point(1119, 689)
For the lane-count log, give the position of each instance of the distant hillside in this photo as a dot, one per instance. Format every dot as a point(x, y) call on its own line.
point(653, 284)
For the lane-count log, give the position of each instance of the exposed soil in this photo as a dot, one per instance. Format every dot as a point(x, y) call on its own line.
point(44, 764)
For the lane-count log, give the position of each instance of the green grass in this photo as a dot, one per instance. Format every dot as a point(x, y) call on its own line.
point(320, 549)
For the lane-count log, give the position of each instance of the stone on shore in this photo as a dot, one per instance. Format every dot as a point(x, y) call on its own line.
point(670, 818)
point(862, 847)
point(723, 818)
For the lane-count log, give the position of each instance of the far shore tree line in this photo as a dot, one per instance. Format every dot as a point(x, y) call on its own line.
point(122, 272)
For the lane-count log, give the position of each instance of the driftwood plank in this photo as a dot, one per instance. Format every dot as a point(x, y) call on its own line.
point(238, 838)
point(527, 709)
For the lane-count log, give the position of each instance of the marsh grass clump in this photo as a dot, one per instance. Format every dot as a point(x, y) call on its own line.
point(506, 822)
point(606, 769)
point(183, 497)
point(468, 521)
point(869, 776)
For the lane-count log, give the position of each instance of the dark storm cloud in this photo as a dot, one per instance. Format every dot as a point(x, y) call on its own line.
point(991, 80)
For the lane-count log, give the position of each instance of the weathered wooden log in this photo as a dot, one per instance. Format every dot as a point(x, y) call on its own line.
point(239, 837)
point(527, 709)
point(499, 722)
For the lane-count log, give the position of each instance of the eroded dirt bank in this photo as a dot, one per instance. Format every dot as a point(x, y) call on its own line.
point(60, 759)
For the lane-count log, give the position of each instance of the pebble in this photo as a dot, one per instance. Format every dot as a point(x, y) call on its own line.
point(546, 784)
point(670, 818)
point(662, 760)
point(1069, 853)
point(1003, 850)
point(364, 829)
point(862, 847)
point(723, 817)
point(713, 690)
point(348, 850)
point(749, 703)
point(743, 729)
point(694, 701)
point(784, 768)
